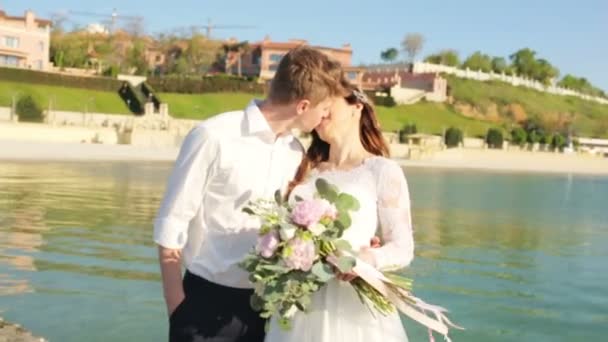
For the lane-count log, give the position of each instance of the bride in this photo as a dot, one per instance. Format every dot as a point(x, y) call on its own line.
point(348, 151)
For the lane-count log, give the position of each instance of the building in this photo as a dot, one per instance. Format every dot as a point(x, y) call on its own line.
point(594, 146)
point(261, 59)
point(25, 41)
point(404, 86)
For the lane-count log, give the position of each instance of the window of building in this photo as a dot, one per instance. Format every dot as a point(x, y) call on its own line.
point(9, 60)
point(39, 65)
point(41, 46)
point(12, 42)
point(352, 75)
point(276, 57)
point(273, 67)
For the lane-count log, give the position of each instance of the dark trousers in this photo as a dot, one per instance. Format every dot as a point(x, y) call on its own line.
point(214, 313)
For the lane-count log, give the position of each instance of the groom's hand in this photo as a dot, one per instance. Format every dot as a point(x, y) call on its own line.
point(173, 303)
point(348, 277)
point(170, 267)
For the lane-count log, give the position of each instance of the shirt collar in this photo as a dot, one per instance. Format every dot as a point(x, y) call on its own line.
point(258, 125)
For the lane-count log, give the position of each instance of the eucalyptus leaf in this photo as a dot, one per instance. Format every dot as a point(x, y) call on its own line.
point(347, 202)
point(343, 245)
point(326, 190)
point(344, 221)
point(345, 263)
point(278, 197)
point(322, 271)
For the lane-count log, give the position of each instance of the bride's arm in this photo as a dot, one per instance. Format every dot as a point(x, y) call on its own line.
point(394, 217)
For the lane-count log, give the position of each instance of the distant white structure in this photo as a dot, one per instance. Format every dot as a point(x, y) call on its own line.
point(594, 146)
point(96, 28)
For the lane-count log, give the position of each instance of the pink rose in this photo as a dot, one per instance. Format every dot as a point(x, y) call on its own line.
point(268, 244)
point(302, 254)
point(310, 212)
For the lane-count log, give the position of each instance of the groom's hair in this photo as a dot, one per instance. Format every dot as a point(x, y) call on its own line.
point(305, 73)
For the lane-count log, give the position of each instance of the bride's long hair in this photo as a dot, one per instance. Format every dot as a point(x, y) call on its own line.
point(369, 132)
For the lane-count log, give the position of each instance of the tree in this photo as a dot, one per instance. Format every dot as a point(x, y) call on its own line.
point(412, 44)
point(445, 57)
point(389, 55)
point(580, 84)
point(524, 61)
point(478, 61)
point(136, 58)
point(499, 65)
point(544, 72)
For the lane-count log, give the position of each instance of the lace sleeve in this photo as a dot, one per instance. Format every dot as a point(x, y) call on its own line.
point(394, 217)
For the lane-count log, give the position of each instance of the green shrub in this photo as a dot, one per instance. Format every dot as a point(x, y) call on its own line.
point(453, 137)
point(534, 137)
point(558, 142)
point(519, 136)
point(409, 128)
point(111, 71)
point(546, 139)
point(494, 138)
point(28, 110)
point(385, 101)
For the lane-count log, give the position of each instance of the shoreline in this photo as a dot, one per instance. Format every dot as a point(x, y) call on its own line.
point(15, 332)
point(457, 159)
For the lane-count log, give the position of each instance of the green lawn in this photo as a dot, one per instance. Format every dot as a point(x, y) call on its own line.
point(68, 99)
point(200, 106)
point(429, 118)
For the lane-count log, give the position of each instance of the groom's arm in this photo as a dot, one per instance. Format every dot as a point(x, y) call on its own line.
point(182, 201)
point(171, 273)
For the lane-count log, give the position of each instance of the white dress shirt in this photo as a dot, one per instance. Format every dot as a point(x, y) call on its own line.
point(223, 163)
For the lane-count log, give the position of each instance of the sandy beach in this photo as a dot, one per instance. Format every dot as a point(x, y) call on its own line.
point(472, 159)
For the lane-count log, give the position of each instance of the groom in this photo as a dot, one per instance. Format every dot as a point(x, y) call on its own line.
point(223, 163)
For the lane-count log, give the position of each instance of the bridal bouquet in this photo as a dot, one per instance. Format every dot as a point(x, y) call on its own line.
point(300, 248)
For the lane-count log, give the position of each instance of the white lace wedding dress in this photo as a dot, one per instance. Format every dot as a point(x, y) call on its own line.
point(336, 312)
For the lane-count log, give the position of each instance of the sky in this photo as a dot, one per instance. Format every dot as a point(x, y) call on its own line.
point(572, 35)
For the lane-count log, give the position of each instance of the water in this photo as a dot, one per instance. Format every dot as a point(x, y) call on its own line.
point(516, 257)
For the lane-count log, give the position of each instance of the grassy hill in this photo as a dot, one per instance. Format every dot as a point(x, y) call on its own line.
point(475, 107)
point(494, 101)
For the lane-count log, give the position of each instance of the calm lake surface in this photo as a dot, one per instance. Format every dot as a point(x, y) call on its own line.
point(515, 257)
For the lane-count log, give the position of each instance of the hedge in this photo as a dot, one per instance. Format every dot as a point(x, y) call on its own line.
point(212, 84)
point(46, 78)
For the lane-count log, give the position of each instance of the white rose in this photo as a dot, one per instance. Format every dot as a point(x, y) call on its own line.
point(287, 232)
point(291, 312)
point(317, 229)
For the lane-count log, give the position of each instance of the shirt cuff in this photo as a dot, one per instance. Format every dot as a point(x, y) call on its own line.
point(170, 233)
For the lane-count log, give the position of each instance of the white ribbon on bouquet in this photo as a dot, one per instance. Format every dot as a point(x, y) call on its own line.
point(416, 311)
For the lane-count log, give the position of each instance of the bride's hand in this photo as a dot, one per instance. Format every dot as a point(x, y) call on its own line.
point(365, 256)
